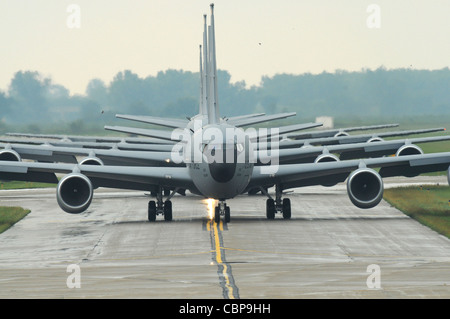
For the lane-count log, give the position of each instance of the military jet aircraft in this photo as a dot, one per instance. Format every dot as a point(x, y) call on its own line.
point(217, 161)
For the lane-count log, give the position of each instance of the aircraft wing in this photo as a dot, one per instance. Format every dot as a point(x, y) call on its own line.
point(92, 139)
point(138, 178)
point(145, 155)
point(354, 138)
point(92, 145)
point(338, 132)
point(331, 173)
point(175, 137)
point(275, 133)
point(49, 153)
point(311, 154)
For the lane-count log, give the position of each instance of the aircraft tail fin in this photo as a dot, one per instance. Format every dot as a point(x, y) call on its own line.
point(205, 71)
point(210, 102)
point(203, 104)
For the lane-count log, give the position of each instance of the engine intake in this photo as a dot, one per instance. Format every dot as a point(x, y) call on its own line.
point(322, 158)
point(375, 139)
point(409, 150)
point(10, 155)
point(91, 161)
point(342, 133)
point(365, 188)
point(74, 193)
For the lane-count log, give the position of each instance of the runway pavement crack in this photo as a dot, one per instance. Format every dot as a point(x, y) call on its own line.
point(94, 249)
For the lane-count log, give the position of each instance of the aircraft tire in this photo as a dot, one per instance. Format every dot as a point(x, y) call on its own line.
point(270, 209)
point(286, 208)
point(227, 214)
point(151, 211)
point(168, 210)
point(217, 214)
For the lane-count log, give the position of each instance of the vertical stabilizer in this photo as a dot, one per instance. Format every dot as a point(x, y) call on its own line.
point(212, 49)
point(206, 84)
point(209, 97)
point(200, 102)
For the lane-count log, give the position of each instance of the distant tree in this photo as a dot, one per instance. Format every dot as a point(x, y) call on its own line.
point(126, 91)
point(28, 91)
point(97, 91)
point(5, 104)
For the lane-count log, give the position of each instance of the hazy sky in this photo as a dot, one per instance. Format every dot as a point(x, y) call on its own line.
point(253, 37)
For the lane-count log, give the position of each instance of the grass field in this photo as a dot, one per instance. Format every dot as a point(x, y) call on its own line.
point(430, 205)
point(23, 185)
point(11, 215)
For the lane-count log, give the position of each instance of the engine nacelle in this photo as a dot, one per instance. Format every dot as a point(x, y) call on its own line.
point(409, 150)
point(448, 175)
point(365, 188)
point(91, 161)
point(375, 139)
point(323, 158)
point(342, 133)
point(74, 193)
point(10, 155)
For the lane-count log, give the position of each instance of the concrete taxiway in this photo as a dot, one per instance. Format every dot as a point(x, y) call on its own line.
point(329, 249)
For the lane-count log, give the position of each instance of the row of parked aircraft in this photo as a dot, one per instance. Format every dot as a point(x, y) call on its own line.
point(217, 157)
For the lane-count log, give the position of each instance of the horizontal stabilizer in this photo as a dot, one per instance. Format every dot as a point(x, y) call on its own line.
point(259, 119)
point(167, 122)
point(279, 131)
point(164, 135)
point(239, 117)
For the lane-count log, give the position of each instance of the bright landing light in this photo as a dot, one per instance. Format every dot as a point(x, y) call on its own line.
point(210, 204)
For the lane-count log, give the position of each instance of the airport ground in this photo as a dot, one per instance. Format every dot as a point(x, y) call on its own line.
point(329, 249)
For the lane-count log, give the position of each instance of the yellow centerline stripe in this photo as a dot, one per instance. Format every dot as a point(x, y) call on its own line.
point(219, 261)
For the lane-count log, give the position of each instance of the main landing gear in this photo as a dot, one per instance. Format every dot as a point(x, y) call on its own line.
point(278, 205)
point(160, 207)
point(222, 210)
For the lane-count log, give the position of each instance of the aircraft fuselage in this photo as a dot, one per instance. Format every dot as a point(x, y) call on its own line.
point(220, 161)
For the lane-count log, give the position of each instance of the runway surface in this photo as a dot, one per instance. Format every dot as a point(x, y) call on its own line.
point(329, 249)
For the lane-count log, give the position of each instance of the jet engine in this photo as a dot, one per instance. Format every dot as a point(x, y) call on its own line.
point(74, 193)
point(322, 158)
point(448, 175)
point(365, 188)
point(342, 133)
point(91, 161)
point(409, 150)
point(375, 139)
point(10, 155)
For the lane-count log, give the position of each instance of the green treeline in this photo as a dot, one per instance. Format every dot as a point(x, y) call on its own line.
point(33, 102)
